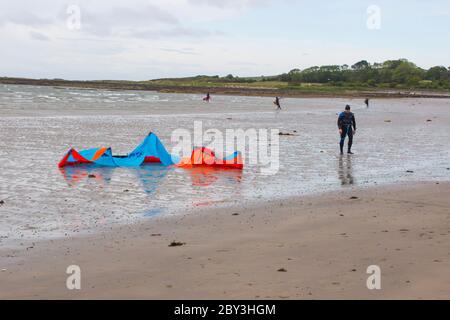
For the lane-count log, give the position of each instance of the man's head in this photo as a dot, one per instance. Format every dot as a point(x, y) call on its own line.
point(347, 108)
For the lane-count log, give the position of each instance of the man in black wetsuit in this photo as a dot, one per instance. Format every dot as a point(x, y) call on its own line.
point(277, 103)
point(347, 127)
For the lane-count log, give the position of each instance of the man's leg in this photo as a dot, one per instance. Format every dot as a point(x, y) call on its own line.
point(343, 135)
point(350, 139)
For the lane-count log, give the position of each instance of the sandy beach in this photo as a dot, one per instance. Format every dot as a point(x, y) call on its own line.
point(316, 247)
point(225, 159)
point(310, 231)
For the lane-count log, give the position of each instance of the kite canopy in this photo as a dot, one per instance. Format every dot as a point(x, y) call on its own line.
point(151, 150)
point(205, 157)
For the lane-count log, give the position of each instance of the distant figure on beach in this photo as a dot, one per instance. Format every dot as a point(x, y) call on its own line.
point(207, 98)
point(277, 103)
point(347, 127)
point(367, 102)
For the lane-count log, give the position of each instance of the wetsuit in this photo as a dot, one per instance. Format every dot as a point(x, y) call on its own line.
point(346, 123)
point(277, 103)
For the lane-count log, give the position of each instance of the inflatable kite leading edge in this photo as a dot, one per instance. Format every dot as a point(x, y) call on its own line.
point(151, 150)
point(205, 157)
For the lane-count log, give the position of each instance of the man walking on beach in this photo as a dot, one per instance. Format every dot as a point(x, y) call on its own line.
point(347, 127)
point(277, 103)
point(367, 102)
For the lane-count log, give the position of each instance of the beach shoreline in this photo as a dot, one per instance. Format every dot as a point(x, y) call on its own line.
point(232, 90)
point(312, 247)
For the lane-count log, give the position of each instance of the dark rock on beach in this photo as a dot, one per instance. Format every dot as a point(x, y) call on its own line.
point(286, 134)
point(176, 244)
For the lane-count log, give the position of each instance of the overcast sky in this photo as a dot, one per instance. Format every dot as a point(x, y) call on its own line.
point(138, 39)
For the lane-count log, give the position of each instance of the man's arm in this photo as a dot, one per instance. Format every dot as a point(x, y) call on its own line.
point(354, 122)
point(339, 121)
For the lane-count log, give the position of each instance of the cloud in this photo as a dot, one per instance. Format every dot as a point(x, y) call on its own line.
point(142, 39)
point(117, 17)
point(171, 33)
point(187, 51)
point(119, 20)
point(230, 3)
point(441, 14)
point(113, 19)
point(25, 18)
point(38, 36)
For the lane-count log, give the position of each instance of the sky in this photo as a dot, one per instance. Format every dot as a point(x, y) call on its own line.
point(148, 39)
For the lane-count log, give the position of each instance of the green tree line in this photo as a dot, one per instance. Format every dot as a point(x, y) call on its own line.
point(389, 74)
point(399, 73)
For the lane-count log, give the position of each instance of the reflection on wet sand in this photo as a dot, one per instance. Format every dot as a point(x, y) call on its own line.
point(206, 176)
point(150, 176)
point(345, 170)
point(203, 179)
point(74, 175)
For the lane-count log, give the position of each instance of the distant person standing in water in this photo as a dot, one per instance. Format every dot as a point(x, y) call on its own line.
point(207, 98)
point(277, 103)
point(347, 127)
point(367, 102)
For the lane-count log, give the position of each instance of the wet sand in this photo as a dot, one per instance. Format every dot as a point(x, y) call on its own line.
point(118, 226)
point(323, 243)
point(39, 124)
